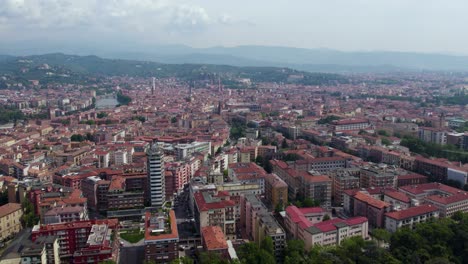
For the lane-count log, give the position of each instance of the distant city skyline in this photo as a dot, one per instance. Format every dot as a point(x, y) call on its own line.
point(428, 26)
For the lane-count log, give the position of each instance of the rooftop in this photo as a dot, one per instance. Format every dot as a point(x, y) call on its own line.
point(412, 211)
point(9, 208)
point(213, 238)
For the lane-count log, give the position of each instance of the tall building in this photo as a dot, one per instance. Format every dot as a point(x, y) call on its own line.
point(156, 180)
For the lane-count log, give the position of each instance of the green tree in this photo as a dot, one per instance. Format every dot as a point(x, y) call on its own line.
point(29, 217)
point(123, 99)
point(174, 120)
point(77, 138)
point(326, 217)
point(267, 245)
point(101, 115)
point(386, 142)
point(308, 202)
point(381, 235)
point(182, 260)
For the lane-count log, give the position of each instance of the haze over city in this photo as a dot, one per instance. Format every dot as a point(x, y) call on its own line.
point(358, 25)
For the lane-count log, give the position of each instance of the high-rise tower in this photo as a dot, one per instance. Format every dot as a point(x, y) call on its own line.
point(153, 87)
point(156, 181)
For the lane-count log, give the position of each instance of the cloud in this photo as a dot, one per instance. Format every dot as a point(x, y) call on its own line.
point(110, 15)
point(186, 18)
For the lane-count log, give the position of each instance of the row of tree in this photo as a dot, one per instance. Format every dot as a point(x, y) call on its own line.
point(448, 151)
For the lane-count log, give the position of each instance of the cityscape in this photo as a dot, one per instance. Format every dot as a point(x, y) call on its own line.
point(133, 160)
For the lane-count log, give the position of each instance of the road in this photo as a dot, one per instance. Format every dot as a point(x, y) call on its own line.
point(19, 241)
point(133, 254)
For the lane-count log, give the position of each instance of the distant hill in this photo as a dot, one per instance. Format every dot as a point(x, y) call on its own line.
point(322, 60)
point(62, 67)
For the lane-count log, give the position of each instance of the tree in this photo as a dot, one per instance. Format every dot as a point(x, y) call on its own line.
point(123, 99)
point(326, 217)
point(29, 217)
point(267, 166)
point(77, 138)
point(267, 245)
point(383, 133)
point(4, 197)
point(386, 141)
point(308, 202)
point(251, 253)
point(101, 115)
point(174, 120)
point(381, 235)
point(284, 144)
point(182, 260)
point(294, 252)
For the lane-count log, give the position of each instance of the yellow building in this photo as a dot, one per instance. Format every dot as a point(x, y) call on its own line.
point(10, 224)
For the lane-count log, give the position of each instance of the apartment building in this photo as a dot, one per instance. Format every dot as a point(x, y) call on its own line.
point(410, 217)
point(76, 239)
point(161, 237)
point(10, 220)
point(215, 209)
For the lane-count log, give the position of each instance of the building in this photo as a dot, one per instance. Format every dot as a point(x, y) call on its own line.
point(43, 250)
point(460, 175)
point(161, 237)
point(357, 203)
point(433, 135)
point(247, 173)
point(421, 191)
point(10, 220)
point(76, 240)
point(410, 217)
point(101, 245)
point(436, 170)
point(333, 232)
point(186, 150)
point(213, 240)
point(344, 179)
point(449, 205)
point(215, 209)
point(378, 176)
point(411, 179)
point(156, 178)
point(64, 214)
point(350, 125)
point(317, 188)
point(397, 200)
point(257, 223)
point(296, 219)
point(276, 192)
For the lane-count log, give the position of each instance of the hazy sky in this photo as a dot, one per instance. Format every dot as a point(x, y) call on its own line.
point(398, 25)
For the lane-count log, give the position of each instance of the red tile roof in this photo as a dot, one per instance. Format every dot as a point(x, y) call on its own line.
point(370, 200)
point(205, 206)
point(446, 200)
point(312, 210)
point(213, 238)
point(412, 212)
point(9, 208)
point(398, 196)
point(426, 187)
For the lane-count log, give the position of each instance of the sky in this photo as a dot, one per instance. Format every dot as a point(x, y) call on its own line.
point(432, 26)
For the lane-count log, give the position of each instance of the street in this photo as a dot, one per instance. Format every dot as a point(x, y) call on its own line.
point(132, 254)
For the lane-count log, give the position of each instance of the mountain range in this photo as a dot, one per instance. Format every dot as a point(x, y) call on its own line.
point(312, 60)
